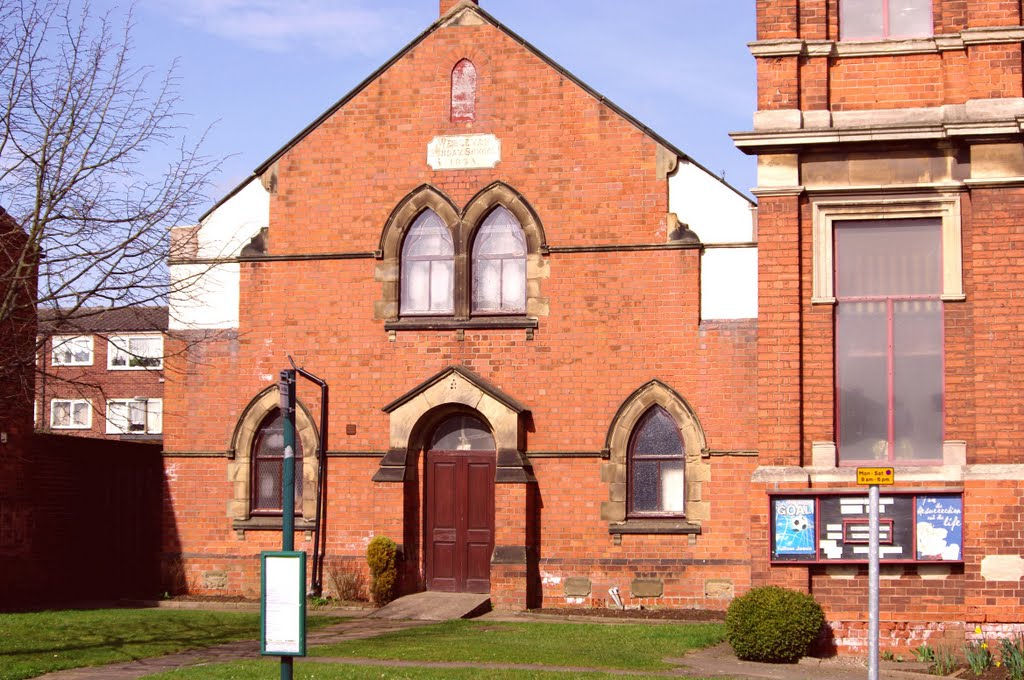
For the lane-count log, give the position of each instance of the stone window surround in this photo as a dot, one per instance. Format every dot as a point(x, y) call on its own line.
point(615, 472)
point(826, 211)
point(456, 389)
point(240, 466)
point(463, 224)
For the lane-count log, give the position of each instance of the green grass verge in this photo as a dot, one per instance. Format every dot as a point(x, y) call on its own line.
point(32, 644)
point(634, 647)
point(306, 670)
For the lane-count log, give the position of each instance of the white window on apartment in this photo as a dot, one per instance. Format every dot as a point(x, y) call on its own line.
point(70, 414)
point(884, 19)
point(135, 416)
point(72, 350)
point(125, 352)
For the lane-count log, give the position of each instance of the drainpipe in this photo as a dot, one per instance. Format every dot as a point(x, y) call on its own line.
point(320, 521)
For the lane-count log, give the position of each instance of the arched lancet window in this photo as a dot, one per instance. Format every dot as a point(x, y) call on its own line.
point(428, 267)
point(499, 265)
point(656, 466)
point(462, 433)
point(268, 466)
point(464, 92)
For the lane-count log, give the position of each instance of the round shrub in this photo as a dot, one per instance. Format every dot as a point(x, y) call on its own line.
point(382, 557)
point(773, 624)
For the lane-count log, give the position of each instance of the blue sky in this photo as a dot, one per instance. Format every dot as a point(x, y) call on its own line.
point(259, 71)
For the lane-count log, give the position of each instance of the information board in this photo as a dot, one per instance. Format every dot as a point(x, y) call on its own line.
point(283, 604)
point(834, 527)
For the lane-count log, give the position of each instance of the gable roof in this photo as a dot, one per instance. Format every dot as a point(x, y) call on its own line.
point(484, 386)
point(439, 23)
point(103, 320)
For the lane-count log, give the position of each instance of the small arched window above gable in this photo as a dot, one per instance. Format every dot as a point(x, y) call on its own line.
point(428, 267)
point(499, 265)
point(464, 92)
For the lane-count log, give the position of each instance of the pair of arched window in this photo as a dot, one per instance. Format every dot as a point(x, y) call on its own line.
point(431, 268)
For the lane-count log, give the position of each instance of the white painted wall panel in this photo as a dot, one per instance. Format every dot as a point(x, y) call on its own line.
point(713, 210)
point(205, 296)
point(728, 283)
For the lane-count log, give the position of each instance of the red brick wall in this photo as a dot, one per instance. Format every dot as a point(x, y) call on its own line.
point(983, 346)
point(889, 81)
point(617, 320)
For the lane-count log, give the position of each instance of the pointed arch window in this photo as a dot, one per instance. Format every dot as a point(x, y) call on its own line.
point(464, 92)
point(657, 466)
point(499, 265)
point(268, 466)
point(428, 267)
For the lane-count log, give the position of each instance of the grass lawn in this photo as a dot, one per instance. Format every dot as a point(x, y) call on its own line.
point(634, 647)
point(306, 670)
point(32, 644)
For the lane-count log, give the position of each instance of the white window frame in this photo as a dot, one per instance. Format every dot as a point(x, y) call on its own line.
point(71, 411)
point(827, 211)
point(120, 344)
point(153, 415)
point(59, 341)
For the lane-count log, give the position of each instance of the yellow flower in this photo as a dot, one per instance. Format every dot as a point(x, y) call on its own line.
point(998, 664)
point(984, 645)
point(977, 630)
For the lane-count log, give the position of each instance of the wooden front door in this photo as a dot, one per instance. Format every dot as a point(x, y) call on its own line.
point(459, 520)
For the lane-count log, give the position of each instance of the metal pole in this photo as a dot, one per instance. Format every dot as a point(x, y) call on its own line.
point(287, 391)
point(873, 582)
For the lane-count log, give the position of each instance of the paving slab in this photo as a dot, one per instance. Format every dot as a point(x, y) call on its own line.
point(434, 606)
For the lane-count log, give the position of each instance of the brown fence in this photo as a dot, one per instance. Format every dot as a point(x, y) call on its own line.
point(84, 520)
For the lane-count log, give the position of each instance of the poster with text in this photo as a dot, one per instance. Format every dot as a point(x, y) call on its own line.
point(795, 530)
point(940, 528)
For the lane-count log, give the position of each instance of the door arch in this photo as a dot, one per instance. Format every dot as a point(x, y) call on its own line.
point(459, 505)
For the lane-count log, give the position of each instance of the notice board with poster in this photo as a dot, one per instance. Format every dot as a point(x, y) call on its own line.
point(832, 527)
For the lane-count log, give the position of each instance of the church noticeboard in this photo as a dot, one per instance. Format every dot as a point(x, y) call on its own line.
point(825, 528)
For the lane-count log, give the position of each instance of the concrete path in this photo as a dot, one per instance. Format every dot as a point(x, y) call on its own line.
point(715, 662)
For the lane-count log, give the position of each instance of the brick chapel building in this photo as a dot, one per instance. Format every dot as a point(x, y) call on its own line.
point(563, 361)
point(891, 199)
point(537, 321)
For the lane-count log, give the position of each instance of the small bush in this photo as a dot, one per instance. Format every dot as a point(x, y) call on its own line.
point(382, 556)
point(773, 624)
point(347, 584)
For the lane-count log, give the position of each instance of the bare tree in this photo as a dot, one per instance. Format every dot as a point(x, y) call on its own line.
point(82, 127)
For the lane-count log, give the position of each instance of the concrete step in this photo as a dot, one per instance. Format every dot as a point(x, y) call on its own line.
point(434, 606)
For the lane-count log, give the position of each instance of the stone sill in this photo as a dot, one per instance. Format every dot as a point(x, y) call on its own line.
point(654, 525)
point(270, 524)
point(448, 323)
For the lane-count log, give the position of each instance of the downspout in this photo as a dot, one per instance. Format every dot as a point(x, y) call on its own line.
point(320, 521)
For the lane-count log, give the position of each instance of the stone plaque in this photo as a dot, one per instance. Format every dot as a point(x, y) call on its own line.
point(463, 152)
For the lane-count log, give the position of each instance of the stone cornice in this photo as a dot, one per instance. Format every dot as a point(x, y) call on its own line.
point(875, 48)
point(792, 128)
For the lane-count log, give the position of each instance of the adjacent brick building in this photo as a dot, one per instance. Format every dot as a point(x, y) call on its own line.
point(891, 194)
point(101, 372)
point(536, 318)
